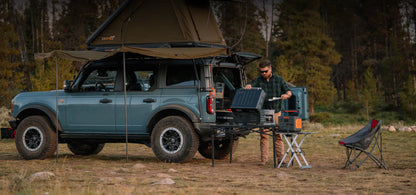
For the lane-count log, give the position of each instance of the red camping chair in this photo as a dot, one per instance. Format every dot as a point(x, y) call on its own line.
point(359, 142)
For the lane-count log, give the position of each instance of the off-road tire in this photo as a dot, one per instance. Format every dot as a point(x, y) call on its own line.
point(174, 140)
point(221, 151)
point(85, 148)
point(35, 138)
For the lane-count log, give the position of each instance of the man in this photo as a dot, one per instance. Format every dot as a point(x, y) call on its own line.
point(274, 86)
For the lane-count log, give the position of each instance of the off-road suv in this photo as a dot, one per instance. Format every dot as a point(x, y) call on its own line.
point(169, 103)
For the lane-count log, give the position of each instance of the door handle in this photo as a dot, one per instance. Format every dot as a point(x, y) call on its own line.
point(106, 101)
point(149, 100)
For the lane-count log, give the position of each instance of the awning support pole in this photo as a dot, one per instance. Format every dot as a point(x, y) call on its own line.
point(125, 104)
point(57, 111)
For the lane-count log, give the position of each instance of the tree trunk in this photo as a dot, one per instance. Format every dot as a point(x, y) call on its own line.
point(266, 24)
point(41, 29)
point(312, 111)
point(413, 72)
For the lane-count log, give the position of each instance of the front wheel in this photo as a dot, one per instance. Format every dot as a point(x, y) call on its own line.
point(222, 148)
point(35, 138)
point(174, 140)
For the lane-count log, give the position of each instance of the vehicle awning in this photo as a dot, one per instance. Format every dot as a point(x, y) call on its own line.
point(172, 53)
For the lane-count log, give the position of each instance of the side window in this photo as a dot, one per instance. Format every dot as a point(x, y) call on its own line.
point(180, 76)
point(141, 80)
point(227, 80)
point(225, 75)
point(100, 80)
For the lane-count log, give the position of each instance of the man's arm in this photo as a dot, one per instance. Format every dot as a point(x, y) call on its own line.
point(285, 88)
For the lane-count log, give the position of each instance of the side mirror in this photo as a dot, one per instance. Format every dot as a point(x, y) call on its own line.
point(67, 85)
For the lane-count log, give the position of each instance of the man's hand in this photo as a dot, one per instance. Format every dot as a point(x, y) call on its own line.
point(248, 86)
point(286, 95)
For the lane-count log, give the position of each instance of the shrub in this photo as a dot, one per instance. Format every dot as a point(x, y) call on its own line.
point(4, 117)
point(320, 117)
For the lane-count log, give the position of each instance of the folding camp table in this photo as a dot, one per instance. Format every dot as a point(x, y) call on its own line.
point(231, 131)
point(294, 148)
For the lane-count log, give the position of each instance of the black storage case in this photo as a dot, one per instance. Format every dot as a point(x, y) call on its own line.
point(6, 133)
point(247, 104)
point(290, 124)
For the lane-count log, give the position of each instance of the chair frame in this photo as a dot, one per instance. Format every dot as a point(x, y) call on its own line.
point(354, 152)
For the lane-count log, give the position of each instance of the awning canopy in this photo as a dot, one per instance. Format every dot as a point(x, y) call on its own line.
point(172, 53)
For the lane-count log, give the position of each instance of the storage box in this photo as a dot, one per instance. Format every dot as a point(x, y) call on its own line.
point(6, 133)
point(290, 124)
point(247, 104)
point(219, 90)
point(251, 99)
point(298, 101)
point(246, 116)
point(267, 117)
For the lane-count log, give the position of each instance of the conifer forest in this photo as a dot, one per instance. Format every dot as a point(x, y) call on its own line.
point(355, 56)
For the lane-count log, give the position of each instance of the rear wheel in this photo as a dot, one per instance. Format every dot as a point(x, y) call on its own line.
point(174, 140)
point(221, 151)
point(85, 149)
point(35, 138)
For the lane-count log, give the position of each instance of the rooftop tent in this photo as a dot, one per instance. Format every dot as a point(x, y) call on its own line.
point(159, 23)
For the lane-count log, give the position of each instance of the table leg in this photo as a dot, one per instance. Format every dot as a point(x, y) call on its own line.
point(212, 147)
point(287, 151)
point(306, 166)
point(274, 146)
point(232, 142)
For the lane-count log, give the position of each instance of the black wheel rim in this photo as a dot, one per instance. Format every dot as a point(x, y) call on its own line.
point(171, 140)
point(32, 138)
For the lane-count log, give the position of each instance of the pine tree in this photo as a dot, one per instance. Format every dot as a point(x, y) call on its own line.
point(45, 80)
point(10, 76)
point(240, 26)
point(310, 53)
point(77, 21)
point(408, 99)
point(370, 95)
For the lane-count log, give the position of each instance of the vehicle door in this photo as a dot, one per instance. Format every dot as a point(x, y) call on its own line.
point(142, 98)
point(92, 108)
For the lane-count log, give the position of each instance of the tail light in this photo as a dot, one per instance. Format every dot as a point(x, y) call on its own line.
point(211, 102)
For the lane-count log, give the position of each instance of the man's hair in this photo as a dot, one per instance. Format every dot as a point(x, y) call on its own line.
point(265, 63)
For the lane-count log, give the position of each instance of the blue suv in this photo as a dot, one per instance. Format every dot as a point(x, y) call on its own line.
point(168, 104)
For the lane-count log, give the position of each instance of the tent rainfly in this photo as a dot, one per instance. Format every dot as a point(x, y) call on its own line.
point(159, 23)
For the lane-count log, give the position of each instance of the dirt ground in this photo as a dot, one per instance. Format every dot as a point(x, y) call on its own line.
point(109, 173)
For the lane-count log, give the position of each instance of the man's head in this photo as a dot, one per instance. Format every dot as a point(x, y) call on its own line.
point(265, 69)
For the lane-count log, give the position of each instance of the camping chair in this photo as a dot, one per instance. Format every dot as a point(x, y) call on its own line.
point(358, 143)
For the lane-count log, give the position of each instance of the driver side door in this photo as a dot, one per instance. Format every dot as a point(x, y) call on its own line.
point(92, 109)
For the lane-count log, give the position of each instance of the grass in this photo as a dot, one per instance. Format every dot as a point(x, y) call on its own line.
point(109, 173)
